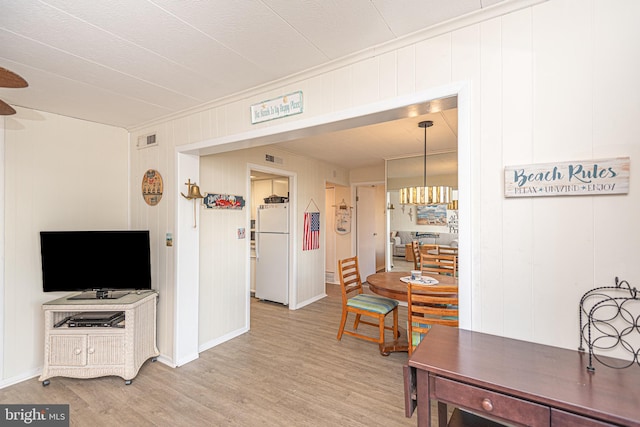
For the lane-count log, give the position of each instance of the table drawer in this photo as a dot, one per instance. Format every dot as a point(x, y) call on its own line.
point(491, 403)
point(565, 419)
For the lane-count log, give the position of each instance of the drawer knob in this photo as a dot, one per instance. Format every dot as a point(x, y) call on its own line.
point(91, 350)
point(77, 351)
point(487, 405)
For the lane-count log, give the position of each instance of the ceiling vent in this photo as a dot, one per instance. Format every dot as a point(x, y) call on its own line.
point(148, 140)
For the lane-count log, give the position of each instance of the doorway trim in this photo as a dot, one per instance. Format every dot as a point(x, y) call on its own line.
point(293, 207)
point(399, 107)
point(355, 245)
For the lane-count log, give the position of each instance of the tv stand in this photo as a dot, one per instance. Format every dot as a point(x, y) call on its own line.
point(90, 352)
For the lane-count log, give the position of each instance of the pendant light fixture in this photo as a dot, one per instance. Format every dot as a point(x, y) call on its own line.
point(423, 195)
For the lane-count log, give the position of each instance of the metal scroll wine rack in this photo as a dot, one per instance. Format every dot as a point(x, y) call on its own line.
point(610, 325)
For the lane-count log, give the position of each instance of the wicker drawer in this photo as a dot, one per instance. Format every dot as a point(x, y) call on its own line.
point(491, 403)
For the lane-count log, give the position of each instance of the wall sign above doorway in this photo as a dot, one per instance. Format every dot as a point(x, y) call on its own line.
point(287, 105)
point(580, 178)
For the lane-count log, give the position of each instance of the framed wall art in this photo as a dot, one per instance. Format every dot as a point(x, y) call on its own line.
point(152, 187)
point(431, 215)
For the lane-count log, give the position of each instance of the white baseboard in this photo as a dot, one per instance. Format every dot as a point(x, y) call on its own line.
point(330, 277)
point(310, 301)
point(222, 339)
point(20, 378)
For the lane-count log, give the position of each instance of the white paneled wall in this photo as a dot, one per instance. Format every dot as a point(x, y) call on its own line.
point(60, 174)
point(551, 82)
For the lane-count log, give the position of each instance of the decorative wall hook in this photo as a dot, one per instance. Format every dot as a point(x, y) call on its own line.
point(193, 193)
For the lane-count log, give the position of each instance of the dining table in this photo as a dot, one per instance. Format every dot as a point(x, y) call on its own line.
point(389, 283)
point(393, 284)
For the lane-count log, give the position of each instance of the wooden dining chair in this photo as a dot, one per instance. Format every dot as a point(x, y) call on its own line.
point(429, 305)
point(354, 300)
point(439, 264)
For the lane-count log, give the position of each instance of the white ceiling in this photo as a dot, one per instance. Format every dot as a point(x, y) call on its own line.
point(129, 62)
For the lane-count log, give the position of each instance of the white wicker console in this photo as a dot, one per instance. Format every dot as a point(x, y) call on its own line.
point(90, 352)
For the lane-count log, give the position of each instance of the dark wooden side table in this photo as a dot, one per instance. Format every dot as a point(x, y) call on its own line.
point(517, 382)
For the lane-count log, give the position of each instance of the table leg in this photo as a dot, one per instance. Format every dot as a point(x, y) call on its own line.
point(442, 414)
point(423, 398)
point(397, 345)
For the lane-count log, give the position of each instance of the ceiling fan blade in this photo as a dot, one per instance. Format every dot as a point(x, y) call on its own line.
point(11, 79)
point(6, 109)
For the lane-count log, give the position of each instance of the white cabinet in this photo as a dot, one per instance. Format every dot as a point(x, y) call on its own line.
point(89, 352)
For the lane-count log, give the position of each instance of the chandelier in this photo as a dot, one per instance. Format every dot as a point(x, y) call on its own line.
point(424, 195)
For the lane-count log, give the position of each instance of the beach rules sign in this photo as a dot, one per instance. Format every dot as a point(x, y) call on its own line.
point(580, 178)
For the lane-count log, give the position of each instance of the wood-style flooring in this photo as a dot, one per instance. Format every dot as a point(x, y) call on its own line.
point(289, 370)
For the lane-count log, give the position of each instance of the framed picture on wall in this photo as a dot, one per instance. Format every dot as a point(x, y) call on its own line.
point(432, 215)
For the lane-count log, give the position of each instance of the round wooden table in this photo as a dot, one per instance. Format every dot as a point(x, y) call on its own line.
point(388, 284)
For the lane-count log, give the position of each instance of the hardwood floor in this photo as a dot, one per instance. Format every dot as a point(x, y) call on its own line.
point(289, 370)
point(400, 264)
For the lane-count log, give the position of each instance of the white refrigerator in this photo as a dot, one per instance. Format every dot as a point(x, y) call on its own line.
point(272, 252)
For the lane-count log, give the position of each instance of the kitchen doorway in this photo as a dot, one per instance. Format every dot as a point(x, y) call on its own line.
point(269, 188)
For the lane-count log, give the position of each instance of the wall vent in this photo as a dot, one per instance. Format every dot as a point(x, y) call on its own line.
point(273, 159)
point(148, 140)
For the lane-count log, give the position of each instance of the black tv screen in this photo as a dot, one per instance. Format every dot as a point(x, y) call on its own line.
point(95, 260)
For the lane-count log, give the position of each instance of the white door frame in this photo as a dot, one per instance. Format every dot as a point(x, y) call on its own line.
point(392, 109)
point(355, 241)
point(330, 234)
point(293, 185)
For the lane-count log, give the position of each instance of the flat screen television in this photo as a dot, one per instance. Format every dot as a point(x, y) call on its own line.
point(100, 261)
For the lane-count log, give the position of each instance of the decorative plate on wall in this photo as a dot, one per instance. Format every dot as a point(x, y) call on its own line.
point(152, 187)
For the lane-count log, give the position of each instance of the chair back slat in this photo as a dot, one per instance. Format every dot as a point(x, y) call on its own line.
point(439, 264)
point(448, 250)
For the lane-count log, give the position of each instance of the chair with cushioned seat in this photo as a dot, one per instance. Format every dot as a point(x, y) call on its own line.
point(429, 305)
point(354, 300)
